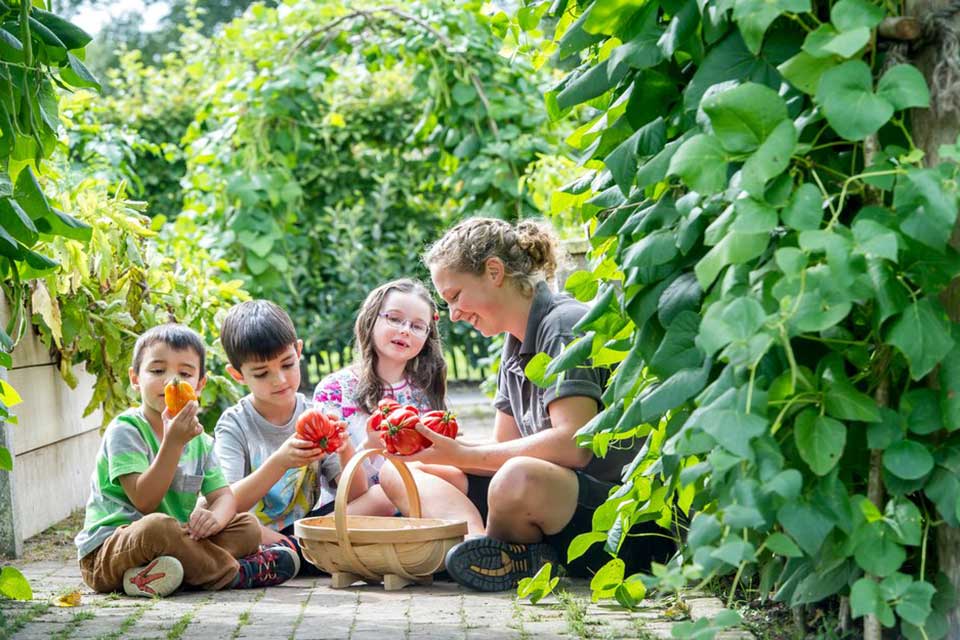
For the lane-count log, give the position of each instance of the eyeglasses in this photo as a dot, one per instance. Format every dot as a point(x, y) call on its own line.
point(418, 329)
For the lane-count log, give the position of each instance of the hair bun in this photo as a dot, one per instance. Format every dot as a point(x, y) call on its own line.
point(529, 249)
point(540, 244)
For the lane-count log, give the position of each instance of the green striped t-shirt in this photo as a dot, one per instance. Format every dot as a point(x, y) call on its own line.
point(130, 446)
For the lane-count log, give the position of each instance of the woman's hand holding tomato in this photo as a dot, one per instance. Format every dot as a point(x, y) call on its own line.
point(400, 427)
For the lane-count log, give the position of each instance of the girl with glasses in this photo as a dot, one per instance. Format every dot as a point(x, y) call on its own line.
point(399, 356)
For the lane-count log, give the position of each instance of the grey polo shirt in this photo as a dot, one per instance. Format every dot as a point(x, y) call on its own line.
point(549, 329)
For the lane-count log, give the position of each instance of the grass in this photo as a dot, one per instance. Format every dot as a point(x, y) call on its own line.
point(768, 620)
point(177, 630)
point(303, 611)
point(244, 618)
point(21, 619)
point(517, 620)
point(129, 621)
point(641, 631)
point(407, 614)
point(77, 619)
point(462, 611)
point(774, 621)
point(575, 613)
point(353, 621)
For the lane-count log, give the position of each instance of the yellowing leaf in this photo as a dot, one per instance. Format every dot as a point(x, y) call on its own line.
point(8, 395)
point(49, 310)
point(71, 599)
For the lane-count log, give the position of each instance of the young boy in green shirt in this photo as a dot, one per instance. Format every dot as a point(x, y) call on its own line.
point(143, 531)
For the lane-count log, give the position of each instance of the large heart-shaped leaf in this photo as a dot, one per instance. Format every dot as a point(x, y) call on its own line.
point(908, 459)
point(820, 441)
point(903, 86)
point(701, 163)
point(846, 96)
point(852, 14)
point(744, 116)
point(754, 16)
point(770, 160)
point(922, 334)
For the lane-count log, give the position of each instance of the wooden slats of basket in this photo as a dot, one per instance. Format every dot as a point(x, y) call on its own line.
point(397, 551)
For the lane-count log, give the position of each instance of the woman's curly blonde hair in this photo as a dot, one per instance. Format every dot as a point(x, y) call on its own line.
point(529, 250)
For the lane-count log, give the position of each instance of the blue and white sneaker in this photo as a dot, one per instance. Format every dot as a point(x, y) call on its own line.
point(272, 565)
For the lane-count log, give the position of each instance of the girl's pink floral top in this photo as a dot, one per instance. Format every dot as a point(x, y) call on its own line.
point(337, 393)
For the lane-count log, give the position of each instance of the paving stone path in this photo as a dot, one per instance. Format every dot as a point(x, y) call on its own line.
point(308, 608)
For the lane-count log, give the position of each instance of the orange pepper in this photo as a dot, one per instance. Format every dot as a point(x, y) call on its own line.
point(177, 394)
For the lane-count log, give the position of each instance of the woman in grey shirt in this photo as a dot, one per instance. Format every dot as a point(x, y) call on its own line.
point(530, 491)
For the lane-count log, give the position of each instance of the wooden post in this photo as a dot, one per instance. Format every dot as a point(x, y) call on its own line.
point(930, 130)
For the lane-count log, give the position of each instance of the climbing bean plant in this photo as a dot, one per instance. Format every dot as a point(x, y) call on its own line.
point(768, 251)
point(38, 50)
point(88, 281)
point(124, 280)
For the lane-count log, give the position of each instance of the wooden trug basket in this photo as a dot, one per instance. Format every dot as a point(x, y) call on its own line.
point(396, 551)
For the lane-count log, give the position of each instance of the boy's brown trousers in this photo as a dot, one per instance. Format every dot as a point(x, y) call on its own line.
point(209, 564)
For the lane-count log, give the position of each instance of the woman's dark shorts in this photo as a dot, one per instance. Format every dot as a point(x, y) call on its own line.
point(636, 552)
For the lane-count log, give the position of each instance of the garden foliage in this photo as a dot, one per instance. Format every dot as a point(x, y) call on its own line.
point(768, 251)
point(321, 146)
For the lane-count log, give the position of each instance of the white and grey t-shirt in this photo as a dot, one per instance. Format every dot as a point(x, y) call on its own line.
point(244, 439)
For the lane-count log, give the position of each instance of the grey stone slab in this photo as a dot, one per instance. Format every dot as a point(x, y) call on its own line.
point(437, 632)
point(547, 629)
point(209, 629)
point(659, 629)
point(71, 570)
point(331, 629)
point(491, 634)
point(47, 628)
point(32, 634)
point(39, 569)
point(56, 615)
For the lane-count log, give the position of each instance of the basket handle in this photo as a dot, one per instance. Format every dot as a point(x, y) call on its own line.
point(343, 488)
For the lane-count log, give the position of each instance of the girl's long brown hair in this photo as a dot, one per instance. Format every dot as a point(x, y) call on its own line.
point(428, 370)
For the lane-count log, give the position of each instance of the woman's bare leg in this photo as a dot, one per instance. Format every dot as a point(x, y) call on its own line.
point(372, 503)
point(443, 494)
point(530, 498)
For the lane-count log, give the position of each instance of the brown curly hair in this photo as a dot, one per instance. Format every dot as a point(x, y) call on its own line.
point(529, 250)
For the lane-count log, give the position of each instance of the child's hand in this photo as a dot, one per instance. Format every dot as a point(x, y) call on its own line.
point(296, 452)
point(202, 524)
point(345, 450)
point(373, 439)
point(183, 427)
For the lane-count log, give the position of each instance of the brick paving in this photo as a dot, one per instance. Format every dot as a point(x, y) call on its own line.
point(307, 608)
